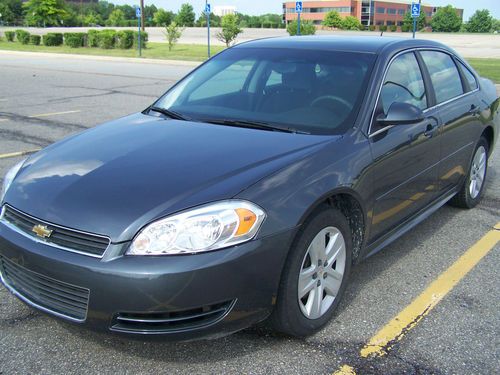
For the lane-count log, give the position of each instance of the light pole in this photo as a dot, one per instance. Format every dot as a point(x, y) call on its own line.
point(142, 15)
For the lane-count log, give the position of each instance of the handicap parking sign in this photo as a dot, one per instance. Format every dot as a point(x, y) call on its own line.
point(415, 10)
point(298, 6)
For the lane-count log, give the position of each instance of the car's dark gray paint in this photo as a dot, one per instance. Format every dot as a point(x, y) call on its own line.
point(116, 178)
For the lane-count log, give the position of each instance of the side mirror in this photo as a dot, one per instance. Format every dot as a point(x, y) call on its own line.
point(401, 114)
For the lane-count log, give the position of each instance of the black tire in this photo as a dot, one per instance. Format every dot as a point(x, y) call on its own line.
point(463, 198)
point(287, 316)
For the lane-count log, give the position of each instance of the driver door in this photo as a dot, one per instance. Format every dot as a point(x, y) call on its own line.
point(406, 157)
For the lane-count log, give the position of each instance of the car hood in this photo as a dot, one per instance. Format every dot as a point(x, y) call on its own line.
point(115, 178)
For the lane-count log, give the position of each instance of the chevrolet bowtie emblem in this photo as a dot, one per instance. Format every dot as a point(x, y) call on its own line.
point(41, 231)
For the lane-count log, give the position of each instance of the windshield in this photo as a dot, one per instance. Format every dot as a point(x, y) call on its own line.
point(313, 91)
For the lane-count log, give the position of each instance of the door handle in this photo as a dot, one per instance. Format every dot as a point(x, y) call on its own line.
point(474, 110)
point(430, 130)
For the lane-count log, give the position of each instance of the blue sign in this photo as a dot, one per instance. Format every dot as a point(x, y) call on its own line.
point(138, 12)
point(208, 8)
point(415, 10)
point(298, 6)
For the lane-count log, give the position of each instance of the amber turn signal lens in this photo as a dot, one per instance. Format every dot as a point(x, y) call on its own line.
point(247, 220)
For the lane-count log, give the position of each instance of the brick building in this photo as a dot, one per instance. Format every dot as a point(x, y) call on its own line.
point(369, 12)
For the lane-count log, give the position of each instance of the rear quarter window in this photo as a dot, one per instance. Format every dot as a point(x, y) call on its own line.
point(469, 77)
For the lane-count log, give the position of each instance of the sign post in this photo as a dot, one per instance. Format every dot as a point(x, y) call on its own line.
point(415, 13)
point(298, 9)
point(138, 15)
point(207, 12)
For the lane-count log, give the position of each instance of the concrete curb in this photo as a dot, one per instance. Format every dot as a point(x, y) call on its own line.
point(103, 58)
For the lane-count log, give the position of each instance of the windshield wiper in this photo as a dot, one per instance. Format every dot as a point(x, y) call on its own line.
point(169, 113)
point(254, 125)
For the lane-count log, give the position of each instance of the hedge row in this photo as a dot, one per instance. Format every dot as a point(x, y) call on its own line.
point(106, 39)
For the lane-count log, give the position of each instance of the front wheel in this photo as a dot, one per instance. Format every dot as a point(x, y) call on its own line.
point(315, 274)
point(472, 190)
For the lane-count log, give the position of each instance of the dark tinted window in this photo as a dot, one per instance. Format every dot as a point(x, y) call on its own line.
point(403, 83)
point(313, 91)
point(469, 77)
point(444, 75)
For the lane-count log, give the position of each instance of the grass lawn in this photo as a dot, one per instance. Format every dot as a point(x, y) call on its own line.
point(193, 52)
point(489, 68)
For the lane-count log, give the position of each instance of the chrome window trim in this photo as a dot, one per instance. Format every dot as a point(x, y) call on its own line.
point(370, 135)
point(51, 244)
point(42, 308)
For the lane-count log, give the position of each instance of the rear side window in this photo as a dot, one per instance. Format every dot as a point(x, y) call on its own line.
point(469, 77)
point(444, 75)
point(403, 83)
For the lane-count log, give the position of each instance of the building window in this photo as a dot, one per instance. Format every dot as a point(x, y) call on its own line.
point(428, 14)
point(401, 12)
point(390, 23)
point(380, 10)
point(400, 23)
point(391, 11)
point(380, 23)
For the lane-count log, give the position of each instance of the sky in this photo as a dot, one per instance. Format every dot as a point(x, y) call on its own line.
point(256, 7)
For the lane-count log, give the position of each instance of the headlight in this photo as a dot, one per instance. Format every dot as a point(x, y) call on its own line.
point(9, 177)
point(206, 228)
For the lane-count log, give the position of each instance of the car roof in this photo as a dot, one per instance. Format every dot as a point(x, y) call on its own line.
point(366, 44)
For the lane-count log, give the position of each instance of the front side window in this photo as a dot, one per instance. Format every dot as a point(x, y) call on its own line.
point(313, 91)
point(444, 75)
point(403, 83)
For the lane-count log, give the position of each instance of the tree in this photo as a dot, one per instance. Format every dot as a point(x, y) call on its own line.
point(306, 28)
point(163, 17)
point(350, 23)
point(230, 29)
point(116, 18)
point(446, 19)
point(408, 22)
point(480, 22)
point(45, 12)
point(186, 15)
point(495, 25)
point(202, 20)
point(333, 19)
point(7, 14)
point(92, 19)
point(173, 33)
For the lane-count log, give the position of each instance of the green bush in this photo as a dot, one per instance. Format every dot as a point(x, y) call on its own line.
point(306, 28)
point(75, 40)
point(93, 38)
point(52, 39)
point(23, 36)
point(124, 39)
point(10, 35)
point(382, 28)
point(393, 28)
point(372, 27)
point(405, 28)
point(144, 38)
point(107, 39)
point(35, 39)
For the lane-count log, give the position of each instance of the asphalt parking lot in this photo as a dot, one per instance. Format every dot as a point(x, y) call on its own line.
point(46, 98)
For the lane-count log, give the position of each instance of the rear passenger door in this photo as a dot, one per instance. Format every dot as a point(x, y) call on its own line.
point(455, 89)
point(406, 157)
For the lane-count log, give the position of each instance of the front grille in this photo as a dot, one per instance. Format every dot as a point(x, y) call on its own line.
point(51, 295)
point(174, 321)
point(65, 238)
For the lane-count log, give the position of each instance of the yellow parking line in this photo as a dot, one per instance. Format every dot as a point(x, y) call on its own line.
point(398, 327)
point(345, 370)
point(20, 153)
point(54, 114)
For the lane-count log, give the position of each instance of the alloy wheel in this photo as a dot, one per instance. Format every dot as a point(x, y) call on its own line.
point(477, 173)
point(321, 273)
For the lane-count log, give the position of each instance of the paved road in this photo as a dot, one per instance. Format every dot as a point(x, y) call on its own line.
point(46, 98)
point(469, 45)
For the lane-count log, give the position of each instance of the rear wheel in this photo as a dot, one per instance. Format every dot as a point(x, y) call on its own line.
point(472, 190)
point(315, 274)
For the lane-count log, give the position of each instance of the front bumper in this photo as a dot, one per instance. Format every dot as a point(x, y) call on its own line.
point(181, 297)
